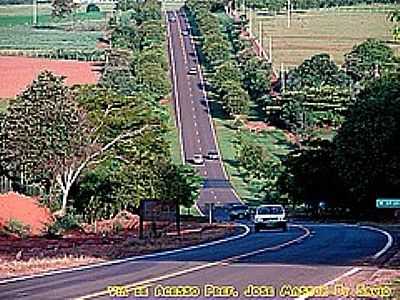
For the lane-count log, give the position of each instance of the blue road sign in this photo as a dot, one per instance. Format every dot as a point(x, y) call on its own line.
point(387, 203)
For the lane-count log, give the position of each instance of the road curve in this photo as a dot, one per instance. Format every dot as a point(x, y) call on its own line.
point(310, 255)
point(194, 122)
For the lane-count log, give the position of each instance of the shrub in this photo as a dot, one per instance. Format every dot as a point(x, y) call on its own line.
point(14, 226)
point(92, 8)
point(61, 225)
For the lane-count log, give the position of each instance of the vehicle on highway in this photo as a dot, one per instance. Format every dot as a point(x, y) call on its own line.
point(270, 216)
point(198, 159)
point(239, 212)
point(185, 32)
point(212, 155)
point(172, 19)
point(192, 71)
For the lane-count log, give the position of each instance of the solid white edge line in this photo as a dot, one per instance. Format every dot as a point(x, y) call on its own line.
point(177, 106)
point(200, 72)
point(388, 244)
point(129, 259)
point(223, 262)
point(357, 269)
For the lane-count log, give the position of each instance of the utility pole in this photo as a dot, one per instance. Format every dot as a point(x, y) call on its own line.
point(289, 5)
point(260, 36)
point(270, 49)
point(251, 21)
point(34, 12)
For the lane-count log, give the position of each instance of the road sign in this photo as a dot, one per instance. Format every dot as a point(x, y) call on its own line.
point(387, 203)
point(157, 210)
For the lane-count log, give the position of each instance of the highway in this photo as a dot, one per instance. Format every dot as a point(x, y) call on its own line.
point(307, 254)
point(194, 122)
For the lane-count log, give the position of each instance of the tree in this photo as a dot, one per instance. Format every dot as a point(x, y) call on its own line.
point(257, 77)
point(315, 72)
point(62, 8)
point(49, 138)
point(235, 100)
point(369, 60)
point(311, 176)
point(394, 17)
point(226, 72)
point(368, 144)
point(180, 183)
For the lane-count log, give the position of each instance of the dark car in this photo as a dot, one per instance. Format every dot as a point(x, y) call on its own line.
point(213, 155)
point(239, 212)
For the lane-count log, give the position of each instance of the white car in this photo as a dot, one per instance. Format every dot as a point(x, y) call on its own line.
point(198, 159)
point(192, 71)
point(270, 216)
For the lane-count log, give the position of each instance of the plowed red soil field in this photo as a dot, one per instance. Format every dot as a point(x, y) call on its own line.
point(16, 73)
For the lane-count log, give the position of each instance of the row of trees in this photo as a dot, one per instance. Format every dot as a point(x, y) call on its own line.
point(318, 92)
point(238, 74)
point(362, 162)
point(99, 148)
point(217, 55)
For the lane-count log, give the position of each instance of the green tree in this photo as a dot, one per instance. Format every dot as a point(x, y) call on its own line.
point(62, 8)
point(311, 176)
point(50, 138)
point(315, 72)
point(257, 77)
point(229, 71)
point(235, 100)
point(394, 17)
point(367, 145)
point(369, 60)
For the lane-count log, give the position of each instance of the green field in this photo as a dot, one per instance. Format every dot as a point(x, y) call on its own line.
point(78, 32)
point(311, 32)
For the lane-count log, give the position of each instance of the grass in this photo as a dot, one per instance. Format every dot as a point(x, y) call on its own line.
point(273, 141)
point(173, 137)
point(26, 37)
point(16, 30)
point(311, 32)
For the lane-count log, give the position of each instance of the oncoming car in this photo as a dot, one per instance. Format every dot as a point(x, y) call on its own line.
point(198, 159)
point(270, 216)
point(238, 212)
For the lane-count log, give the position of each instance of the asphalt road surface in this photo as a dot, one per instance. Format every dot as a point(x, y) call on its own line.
point(193, 117)
point(307, 254)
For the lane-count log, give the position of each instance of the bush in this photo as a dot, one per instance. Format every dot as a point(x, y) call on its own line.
point(14, 226)
point(92, 8)
point(61, 225)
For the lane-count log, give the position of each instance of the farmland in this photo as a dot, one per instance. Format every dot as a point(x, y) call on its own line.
point(311, 32)
point(79, 32)
point(18, 72)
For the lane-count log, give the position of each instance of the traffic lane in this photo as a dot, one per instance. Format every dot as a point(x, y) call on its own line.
point(335, 244)
point(215, 195)
point(252, 242)
point(74, 284)
point(238, 277)
point(191, 144)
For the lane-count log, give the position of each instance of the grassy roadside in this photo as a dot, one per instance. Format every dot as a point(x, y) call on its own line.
point(273, 141)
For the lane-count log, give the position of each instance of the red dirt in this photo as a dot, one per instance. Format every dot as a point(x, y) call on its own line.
point(17, 73)
point(24, 209)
